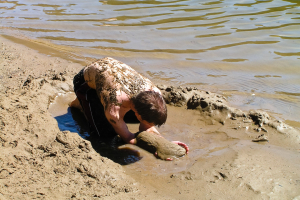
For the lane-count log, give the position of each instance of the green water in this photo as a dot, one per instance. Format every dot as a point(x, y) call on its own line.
point(248, 50)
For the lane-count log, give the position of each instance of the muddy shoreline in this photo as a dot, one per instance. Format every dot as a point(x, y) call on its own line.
point(39, 161)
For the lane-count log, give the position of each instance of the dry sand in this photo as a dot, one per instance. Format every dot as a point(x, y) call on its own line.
point(38, 160)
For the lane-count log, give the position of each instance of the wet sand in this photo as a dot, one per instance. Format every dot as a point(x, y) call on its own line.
point(40, 161)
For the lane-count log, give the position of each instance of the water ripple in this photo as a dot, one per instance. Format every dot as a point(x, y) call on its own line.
point(218, 43)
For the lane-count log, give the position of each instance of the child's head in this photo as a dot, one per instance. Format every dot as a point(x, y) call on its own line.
point(151, 107)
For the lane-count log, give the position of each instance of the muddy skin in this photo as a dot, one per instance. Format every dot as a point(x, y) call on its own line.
point(121, 76)
point(100, 80)
point(155, 143)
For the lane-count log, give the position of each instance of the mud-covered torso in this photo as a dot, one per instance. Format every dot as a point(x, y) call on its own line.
point(115, 81)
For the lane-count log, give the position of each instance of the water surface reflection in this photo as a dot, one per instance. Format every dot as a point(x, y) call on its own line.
point(185, 42)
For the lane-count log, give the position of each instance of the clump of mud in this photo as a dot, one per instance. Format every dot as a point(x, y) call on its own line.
point(216, 106)
point(156, 144)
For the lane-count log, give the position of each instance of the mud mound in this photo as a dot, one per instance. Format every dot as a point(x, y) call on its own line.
point(38, 160)
point(216, 106)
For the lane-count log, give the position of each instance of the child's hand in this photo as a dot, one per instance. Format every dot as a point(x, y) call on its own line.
point(183, 145)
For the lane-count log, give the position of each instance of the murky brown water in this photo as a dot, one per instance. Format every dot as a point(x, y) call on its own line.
point(248, 49)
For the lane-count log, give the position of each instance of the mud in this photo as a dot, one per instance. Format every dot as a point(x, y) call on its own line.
point(157, 144)
point(217, 108)
point(39, 161)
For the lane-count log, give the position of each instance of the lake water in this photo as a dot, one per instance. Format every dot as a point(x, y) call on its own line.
point(249, 50)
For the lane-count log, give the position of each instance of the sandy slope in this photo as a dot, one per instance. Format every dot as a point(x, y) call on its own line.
point(37, 160)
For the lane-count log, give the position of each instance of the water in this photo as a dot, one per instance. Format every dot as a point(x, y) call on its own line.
point(248, 50)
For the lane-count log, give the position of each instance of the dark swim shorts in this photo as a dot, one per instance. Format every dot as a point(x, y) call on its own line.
point(92, 108)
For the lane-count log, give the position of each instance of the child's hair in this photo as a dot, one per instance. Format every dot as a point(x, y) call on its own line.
point(151, 106)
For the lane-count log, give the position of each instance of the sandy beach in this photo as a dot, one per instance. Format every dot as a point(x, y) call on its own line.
point(234, 154)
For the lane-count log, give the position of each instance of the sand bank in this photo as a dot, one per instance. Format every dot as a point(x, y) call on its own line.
point(39, 161)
